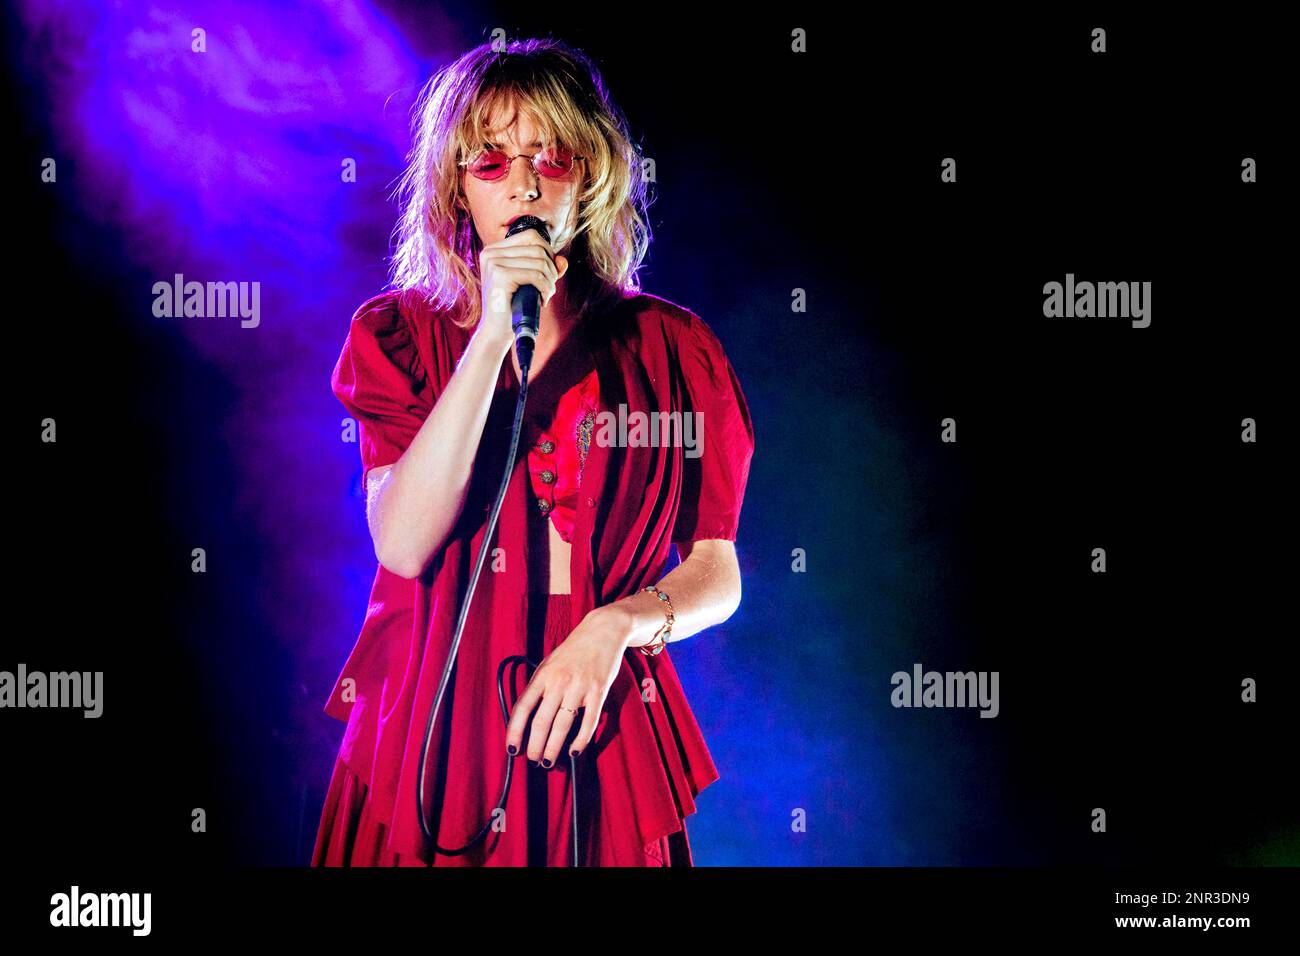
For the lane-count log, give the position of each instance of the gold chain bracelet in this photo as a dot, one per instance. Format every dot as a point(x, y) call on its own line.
point(662, 636)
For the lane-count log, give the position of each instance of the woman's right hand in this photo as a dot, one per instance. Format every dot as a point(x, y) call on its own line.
point(522, 259)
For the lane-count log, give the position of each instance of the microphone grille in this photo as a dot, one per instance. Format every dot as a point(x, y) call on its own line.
point(528, 222)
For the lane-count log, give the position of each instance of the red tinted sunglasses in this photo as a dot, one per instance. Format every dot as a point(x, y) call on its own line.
point(552, 163)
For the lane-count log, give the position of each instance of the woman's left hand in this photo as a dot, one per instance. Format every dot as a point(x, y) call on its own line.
point(577, 674)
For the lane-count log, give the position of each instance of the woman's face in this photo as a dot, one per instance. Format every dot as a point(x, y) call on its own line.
point(522, 191)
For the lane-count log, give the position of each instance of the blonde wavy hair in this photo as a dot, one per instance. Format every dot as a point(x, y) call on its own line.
point(562, 93)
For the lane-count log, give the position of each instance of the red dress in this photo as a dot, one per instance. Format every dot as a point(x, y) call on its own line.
point(648, 761)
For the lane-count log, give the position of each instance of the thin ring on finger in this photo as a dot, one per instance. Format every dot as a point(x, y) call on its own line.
point(573, 713)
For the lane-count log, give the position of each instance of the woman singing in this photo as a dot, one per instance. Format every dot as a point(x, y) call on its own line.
point(573, 577)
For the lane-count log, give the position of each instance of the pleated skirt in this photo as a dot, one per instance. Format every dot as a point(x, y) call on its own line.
point(538, 824)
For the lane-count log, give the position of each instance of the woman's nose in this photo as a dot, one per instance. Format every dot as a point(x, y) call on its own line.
point(523, 180)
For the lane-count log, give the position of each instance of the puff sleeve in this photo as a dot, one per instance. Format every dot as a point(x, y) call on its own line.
point(713, 486)
point(381, 381)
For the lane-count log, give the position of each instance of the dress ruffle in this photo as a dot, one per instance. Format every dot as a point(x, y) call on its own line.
point(637, 780)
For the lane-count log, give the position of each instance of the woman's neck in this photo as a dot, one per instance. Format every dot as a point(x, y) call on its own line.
point(556, 321)
point(555, 324)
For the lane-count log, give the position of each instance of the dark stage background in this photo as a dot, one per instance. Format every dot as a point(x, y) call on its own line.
point(776, 171)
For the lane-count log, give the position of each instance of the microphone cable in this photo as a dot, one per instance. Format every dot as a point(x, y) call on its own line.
point(525, 364)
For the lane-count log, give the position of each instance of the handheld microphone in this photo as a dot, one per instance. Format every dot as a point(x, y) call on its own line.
point(526, 303)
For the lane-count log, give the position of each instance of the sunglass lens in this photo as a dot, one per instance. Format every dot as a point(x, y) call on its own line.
point(555, 163)
point(490, 164)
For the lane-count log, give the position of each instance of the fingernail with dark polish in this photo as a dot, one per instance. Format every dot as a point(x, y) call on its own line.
point(546, 762)
point(511, 749)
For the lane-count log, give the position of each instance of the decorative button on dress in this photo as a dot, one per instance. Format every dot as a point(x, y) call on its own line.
point(648, 761)
point(558, 454)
